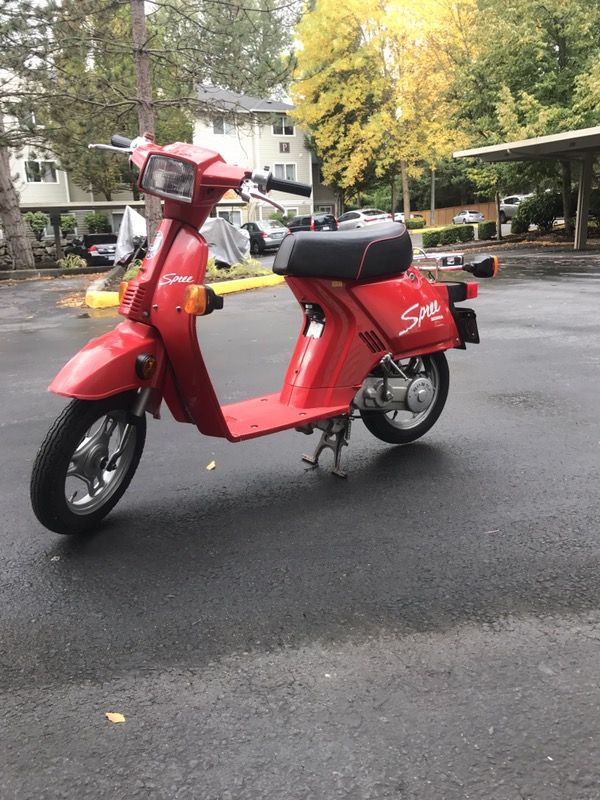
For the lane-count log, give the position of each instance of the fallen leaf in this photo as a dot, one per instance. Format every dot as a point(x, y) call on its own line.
point(212, 465)
point(114, 716)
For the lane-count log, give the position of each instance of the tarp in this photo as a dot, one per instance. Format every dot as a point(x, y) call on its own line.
point(226, 243)
point(133, 224)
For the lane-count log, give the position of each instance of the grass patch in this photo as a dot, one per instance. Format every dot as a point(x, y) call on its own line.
point(251, 268)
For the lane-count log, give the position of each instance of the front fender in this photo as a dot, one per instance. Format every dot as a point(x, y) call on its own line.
point(106, 365)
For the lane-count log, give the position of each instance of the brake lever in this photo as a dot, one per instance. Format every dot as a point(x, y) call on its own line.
point(248, 191)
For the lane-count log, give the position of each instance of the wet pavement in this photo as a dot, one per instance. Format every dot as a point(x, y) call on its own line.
point(428, 629)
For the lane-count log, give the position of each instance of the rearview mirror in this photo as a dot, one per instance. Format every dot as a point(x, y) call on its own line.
point(483, 267)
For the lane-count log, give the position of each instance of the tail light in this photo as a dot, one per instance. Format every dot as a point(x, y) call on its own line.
point(263, 234)
point(312, 225)
point(92, 249)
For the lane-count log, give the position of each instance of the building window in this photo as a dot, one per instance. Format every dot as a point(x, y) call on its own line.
point(222, 127)
point(40, 172)
point(234, 216)
point(291, 212)
point(285, 171)
point(325, 209)
point(283, 126)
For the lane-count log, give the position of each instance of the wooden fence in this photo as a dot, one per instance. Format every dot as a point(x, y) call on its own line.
point(443, 216)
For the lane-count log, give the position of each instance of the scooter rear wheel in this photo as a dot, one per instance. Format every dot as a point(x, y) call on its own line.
point(86, 463)
point(403, 427)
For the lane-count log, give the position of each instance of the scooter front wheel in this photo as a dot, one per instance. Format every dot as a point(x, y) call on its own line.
point(403, 427)
point(86, 463)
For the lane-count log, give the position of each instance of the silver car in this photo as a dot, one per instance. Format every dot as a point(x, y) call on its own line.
point(510, 205)
point(468, 217)
point(361, 218)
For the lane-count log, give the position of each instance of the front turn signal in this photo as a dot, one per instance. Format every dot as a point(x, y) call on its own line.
point(122, 289)
point(200, 300)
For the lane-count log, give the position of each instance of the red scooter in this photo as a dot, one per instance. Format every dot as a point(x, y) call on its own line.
point(376, 323)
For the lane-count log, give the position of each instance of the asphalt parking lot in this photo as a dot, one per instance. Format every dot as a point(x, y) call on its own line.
point(428, 629)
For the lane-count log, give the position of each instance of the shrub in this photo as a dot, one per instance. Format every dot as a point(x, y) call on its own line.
point(465, 233)
point(486, 230)
point(68, 223)
point(541, 210)
point(415, 223)
point(38, 221)
point(449, 235)
point(72, 261)
point(431, 238)
point(97, 223)
point(519, 223)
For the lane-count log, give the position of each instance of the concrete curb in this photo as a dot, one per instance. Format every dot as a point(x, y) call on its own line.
point(95, 298)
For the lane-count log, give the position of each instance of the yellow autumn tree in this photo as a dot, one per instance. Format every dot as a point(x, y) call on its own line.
point(371, 85)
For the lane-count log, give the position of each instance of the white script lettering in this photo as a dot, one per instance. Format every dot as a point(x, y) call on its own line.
point(417, 313)
point(172, 277)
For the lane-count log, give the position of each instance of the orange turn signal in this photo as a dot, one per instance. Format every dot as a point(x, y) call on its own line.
point(199, 300)
point(195, 299)
point(496, 266)
point(122, 289)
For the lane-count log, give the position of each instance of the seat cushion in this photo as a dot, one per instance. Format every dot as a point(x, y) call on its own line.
point(363, 254)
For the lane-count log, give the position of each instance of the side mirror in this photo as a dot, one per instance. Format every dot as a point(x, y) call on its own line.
point(483, 267)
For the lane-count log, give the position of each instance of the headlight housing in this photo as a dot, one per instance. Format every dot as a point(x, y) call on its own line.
point(169, 177)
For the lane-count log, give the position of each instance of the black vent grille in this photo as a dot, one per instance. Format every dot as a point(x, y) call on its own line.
point(372, 340)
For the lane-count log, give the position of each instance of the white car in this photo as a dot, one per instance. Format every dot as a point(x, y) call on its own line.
point(509, 206)
point(362, 217)
point(468, 217)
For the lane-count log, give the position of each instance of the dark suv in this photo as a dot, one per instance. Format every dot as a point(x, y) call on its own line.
point(313, 222)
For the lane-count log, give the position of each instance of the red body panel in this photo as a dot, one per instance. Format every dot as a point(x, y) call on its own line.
point(106, 365)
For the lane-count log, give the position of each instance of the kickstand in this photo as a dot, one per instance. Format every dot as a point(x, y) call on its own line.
point(336, 434)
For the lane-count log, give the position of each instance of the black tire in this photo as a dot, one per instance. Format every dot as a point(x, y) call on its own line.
point(56, 472)
point(255, 248)
point(395, 429)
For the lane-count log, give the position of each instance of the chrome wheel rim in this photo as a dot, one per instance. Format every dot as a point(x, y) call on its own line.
point(414, 368)
point(97, 467)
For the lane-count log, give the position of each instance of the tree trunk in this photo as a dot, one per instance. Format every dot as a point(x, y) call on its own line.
point(15, 231)
point(566, 196)
point(405, 190)
point(498, 223)
point(393, 193)
point(432, 198)
point(144, 101)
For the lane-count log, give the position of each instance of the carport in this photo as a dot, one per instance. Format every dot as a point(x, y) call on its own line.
point(580, 145)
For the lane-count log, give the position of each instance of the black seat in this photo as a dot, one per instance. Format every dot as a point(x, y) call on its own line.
point(363, 254)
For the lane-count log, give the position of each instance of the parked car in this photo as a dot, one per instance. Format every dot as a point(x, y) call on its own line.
point(362, 217)
point(510, 205)
point(467, 217)
point(266, 234)
point(98, 249)
point(399, 216)
point(313, 222)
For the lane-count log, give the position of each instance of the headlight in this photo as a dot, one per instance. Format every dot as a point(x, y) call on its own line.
point(169, 177)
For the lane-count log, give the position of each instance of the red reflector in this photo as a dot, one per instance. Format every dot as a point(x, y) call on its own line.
point(472, 290)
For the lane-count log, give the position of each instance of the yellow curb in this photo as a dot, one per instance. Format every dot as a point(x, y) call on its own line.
point(97, 299)
point(241, 284)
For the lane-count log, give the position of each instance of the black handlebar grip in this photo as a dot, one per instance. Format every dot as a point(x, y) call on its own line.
point(120, 141)
point(291, 187)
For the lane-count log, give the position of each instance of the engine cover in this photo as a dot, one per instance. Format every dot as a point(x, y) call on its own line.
point(395, 394)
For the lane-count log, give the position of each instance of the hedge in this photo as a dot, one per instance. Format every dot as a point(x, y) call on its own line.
point(415, 223)
point(486, 230)
point(449, 235)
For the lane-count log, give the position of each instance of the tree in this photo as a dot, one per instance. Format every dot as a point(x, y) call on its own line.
point(530, 70)
point(74, 61)
point(370, 84)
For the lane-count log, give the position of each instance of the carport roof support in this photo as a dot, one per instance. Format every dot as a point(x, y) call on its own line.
point(579, 145)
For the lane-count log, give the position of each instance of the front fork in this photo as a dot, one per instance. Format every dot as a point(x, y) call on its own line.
point(138, 409)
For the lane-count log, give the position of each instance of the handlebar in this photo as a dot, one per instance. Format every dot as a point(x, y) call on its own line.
point(291, 187)
point(120, 141)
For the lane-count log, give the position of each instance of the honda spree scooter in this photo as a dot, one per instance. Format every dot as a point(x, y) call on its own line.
point(376, 323)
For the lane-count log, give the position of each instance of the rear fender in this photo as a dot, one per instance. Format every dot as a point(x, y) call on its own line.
point(106, 365)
